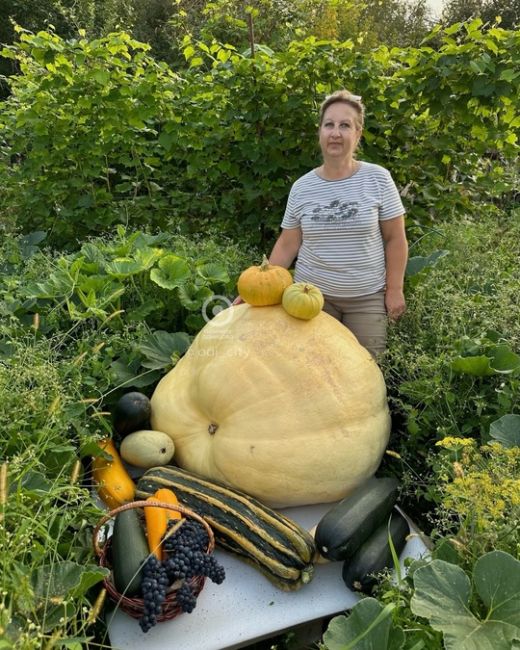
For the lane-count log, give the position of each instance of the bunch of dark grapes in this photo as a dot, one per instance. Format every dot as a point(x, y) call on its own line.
point(186, 598)
point(153, 586)
point(213, 570)
point(185, 558)
point(190, 534)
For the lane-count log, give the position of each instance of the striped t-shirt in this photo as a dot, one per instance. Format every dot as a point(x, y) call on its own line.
point(342, 249)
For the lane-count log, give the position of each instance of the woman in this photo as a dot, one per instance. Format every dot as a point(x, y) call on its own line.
point(344, 222)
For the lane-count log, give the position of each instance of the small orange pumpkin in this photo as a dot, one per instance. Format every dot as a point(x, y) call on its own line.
point(263, 285)
point(302, 300)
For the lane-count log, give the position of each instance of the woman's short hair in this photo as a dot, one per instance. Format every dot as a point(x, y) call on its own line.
point(345, 97)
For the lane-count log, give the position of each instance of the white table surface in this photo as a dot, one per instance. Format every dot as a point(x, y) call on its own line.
point(246, 606)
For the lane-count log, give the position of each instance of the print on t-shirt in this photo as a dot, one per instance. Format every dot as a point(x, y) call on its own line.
point(336, 212)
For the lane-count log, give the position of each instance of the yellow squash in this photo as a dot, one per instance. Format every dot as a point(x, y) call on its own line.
point(156, 526)
point(289, 411)
point(114, 484)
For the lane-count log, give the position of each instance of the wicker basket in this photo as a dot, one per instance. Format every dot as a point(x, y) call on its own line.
point(134, 607)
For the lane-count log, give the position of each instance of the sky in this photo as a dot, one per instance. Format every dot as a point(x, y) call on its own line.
point(435, 6)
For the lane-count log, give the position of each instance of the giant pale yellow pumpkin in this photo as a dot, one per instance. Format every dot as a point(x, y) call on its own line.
point(290, 411)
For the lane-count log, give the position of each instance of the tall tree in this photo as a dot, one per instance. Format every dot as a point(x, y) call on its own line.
point(456, 11)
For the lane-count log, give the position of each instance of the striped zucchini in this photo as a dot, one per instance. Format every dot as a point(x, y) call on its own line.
point(274, 544)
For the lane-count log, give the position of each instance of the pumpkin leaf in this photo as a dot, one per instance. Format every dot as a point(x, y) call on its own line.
point(29, 243)
point(478, 366)
point(442, 595)
point(503, 359)
point(171, 273)
point(497, 580)
point(124, 267)
point(368, 627)
point(35, 484)
point(58, 580)
point(499, 359)
point(418, 263)
point(59, 284)
point(142, 311)
point(212, 272)
point(55, 584)
point(192, 297)
point(163, 349)
point(148, 256)
point(127, 373)
point(506, 430)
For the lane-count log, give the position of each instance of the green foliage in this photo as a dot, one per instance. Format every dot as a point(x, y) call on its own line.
point(452, 364)
point(77, 330)
point(162, 24)
point(80, 125)
point(507, 12)
point(443, 595)
point(46, 562)
point(368, 627)
point(477, 490)
point(506, 430)
point(463, 614)
point(388, 22)
point(226, 141)
point(150, 293)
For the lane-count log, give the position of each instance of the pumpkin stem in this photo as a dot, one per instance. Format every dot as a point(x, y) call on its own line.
point(212, 429)
point(265, 263)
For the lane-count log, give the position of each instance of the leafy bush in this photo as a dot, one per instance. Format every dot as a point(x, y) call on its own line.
point(79, 137)
point(97, 133)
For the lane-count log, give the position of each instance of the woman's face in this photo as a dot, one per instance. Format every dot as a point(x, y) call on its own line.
point(339, 131)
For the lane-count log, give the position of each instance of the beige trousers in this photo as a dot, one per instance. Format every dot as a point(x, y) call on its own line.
point(365, 316)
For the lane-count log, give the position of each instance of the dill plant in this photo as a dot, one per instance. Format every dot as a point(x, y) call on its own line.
point(479, 497)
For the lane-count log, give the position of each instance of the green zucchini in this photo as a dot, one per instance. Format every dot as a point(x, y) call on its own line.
point(274, 544)
point(375, 554)
point(350, 522)
point(129, 550)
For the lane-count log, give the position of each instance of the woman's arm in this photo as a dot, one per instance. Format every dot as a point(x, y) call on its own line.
point(286, 247)
point(396, 256)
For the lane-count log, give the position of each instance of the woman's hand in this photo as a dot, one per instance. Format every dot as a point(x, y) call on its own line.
point(237, 301)
point(395, 303)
